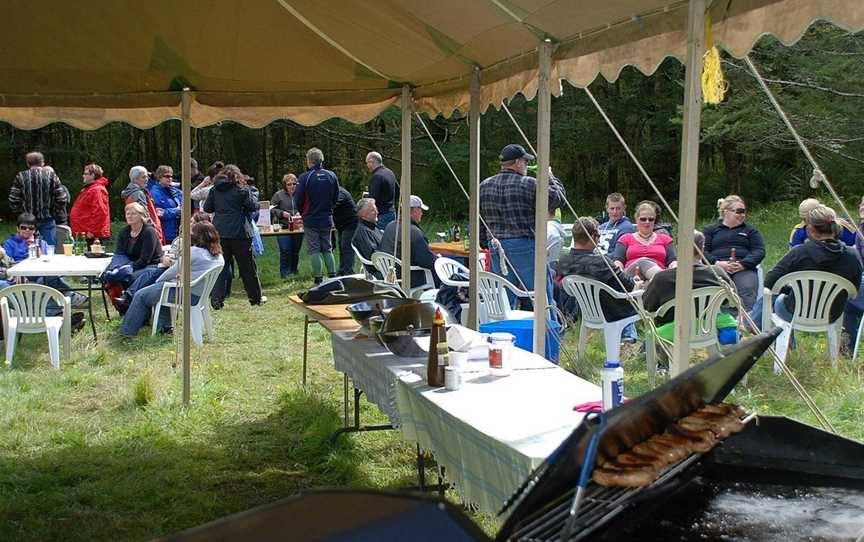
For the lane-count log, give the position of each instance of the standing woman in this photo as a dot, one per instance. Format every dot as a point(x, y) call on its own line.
point(646, 250)
point(91, 214)
point(730, 233)
point(231, 201)
point(282, 211)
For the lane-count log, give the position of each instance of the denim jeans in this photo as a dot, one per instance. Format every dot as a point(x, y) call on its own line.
point(520, 255)
point(779, 309)
point(48, 231)
point(385, 218)
point(289, 253)
point(142, 306)
point(144, 277)
point(853, 312)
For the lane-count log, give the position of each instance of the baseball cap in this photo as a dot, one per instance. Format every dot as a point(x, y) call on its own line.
point(512, 152)
point(415, 201)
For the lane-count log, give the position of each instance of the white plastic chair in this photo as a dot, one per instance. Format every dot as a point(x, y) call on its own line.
point(494, 302)
point(707, 302)
point(25, 310)
point(199, 317)
point(587, 293)
point(364, 262)
point(384, 262)
point(446, 268)
point(814, 292)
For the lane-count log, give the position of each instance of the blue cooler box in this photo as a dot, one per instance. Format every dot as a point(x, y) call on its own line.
point(523, 330)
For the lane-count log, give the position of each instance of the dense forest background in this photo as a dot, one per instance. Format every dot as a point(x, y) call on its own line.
point(745, 148)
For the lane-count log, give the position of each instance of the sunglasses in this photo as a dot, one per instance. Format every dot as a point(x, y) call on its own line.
point(741, 211)
point(26, 227)
point(167, 176)
point(646, 219)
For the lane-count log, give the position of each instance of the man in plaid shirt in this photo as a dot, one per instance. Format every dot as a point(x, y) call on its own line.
point(507, 204)
point(38, 191)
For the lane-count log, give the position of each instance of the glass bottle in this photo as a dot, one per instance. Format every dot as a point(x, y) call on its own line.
point(435, 371)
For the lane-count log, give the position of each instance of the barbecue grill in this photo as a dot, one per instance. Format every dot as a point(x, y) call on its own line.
point(772, 460)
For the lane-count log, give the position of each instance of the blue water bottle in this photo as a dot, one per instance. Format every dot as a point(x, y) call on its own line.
point(612, 377)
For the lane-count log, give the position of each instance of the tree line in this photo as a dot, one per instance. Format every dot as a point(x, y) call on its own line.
point(745, 149)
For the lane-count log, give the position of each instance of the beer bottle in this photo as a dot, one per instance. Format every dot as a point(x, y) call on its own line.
point(435, 371)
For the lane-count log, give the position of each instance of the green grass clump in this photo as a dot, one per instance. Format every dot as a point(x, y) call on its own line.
point(104, 450)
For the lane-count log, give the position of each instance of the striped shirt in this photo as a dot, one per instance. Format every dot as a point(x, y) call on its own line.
point(507, 204)
point(39, 191)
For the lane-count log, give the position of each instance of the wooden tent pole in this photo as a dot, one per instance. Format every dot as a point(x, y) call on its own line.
point(474, 199)
point(541, 210)
point(405, 189)
point(185, 214)
point(688, 184)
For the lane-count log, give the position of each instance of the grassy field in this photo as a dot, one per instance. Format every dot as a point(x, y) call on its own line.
point(102, 448)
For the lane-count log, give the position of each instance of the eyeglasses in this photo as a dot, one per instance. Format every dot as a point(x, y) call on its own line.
point(168, 176)
point(739, 211)
point(647, 219)
point(26, 227)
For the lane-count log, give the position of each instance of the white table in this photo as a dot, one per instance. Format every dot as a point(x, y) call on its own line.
point(66, 266)
point(490, 434)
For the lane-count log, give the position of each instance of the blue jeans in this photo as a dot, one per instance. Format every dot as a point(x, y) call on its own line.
point(853, 312)
point(289, 253)
point(142, 306)
point(779, 309)
point(386, 218)
point(47, 231)
point(520, 256)
point(143, 278)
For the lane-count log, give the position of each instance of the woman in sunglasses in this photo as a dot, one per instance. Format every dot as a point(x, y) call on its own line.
point(645, 251)
point(736, 246)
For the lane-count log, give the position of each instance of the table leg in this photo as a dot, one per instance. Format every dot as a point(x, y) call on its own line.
point(345, 397)
point(90, 306)
point(105, 304)
point(356, 428)
point(305, 345)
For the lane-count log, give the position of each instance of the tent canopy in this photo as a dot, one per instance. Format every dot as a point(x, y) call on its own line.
point(90, 62)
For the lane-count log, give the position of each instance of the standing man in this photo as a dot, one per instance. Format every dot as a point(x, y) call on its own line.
point(507, 203)
point(137, 192)
point(38, 191)
point(345, 218)
point(316, 194)
point(382, 188)
point(168, 201)
point(617, 225)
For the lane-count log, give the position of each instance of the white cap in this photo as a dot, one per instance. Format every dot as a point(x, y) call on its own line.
point(415, 201)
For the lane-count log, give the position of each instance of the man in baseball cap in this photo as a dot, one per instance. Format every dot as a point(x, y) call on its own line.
point(421, 255)
point(507, 205)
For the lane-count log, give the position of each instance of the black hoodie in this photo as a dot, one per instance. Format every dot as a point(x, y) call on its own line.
point(830, 256)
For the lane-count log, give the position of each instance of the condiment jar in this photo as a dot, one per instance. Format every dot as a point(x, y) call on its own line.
point(500, 354)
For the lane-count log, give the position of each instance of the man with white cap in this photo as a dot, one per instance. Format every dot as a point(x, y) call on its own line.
point(507, 205)
point(420, 253)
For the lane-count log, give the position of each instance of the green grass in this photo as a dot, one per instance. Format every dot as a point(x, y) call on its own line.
point(103, 449)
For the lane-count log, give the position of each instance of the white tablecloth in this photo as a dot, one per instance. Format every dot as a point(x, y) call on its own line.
point(60, 266)
point(490, 434)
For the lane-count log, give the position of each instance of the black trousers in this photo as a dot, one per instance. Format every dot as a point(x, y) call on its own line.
point(346, 253)
point(241, 252)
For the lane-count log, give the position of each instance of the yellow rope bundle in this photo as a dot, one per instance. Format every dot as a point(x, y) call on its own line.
point(714, 84)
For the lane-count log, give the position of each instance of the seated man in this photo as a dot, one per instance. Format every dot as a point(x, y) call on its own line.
point(582, 260)
point(367, 236)
point(662, 288)
point(420, 254)
point(823, 252)
point(799, 232)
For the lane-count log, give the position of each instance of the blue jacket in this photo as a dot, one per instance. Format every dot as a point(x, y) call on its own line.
point(847, 234)
point(316, 194)
point(611, 231)
point(18, 249)
point(170, 200)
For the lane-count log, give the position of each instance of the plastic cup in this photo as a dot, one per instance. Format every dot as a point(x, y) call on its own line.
point(68, 249)
point(49, 252)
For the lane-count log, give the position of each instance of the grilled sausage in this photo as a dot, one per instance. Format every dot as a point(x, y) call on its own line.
point(700, 440)
point(637, 459)
point(667, 451)
point(630, 477)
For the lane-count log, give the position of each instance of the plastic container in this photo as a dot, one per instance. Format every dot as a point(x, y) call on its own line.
point(452, 378)
point(612, 377)
point(501, 354)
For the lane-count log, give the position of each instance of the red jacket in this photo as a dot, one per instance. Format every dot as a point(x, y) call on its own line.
point(91, 214)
